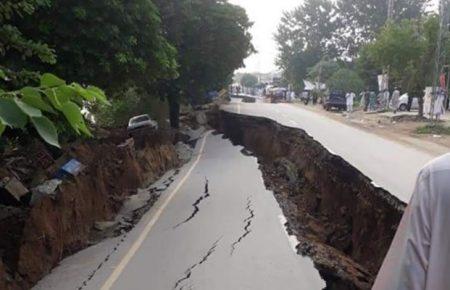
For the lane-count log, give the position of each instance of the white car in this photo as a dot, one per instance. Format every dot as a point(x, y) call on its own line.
point(141, 122)
point(403, 103)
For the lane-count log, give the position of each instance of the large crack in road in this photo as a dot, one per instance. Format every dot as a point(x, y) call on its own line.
point(196, 204)
point(188, 272)
point(342, 221)
point(247, 223)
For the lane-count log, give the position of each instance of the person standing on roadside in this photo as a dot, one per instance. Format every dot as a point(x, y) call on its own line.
point(395, 100)
point(419, 256)
point(349, 100)
point(372, 101)
point(366, 100)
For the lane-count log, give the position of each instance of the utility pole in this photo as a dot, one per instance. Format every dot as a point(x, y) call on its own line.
point(390, 10)
point(390, 16)
point(439, 60)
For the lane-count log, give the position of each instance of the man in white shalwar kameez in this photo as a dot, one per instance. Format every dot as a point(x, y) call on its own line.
point(419, 257)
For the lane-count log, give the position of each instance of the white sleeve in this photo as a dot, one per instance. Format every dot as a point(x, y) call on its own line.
point(405, 266)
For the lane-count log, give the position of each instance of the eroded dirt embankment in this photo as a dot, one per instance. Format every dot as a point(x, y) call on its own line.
point(343, 222)
point(35, 239)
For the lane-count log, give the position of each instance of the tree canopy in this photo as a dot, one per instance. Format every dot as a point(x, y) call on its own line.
point(15, 45)
point(361, 20)
point(112, 44)
point(212, 38)
point(345, 80)
point(304, 36)
point(249, 80)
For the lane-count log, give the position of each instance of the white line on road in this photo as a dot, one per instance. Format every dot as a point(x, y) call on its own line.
point(137, 244)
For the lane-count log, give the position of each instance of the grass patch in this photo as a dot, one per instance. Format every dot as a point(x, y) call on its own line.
point(433, 129)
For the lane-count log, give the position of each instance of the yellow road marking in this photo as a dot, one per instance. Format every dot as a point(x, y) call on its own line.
point(137, 244)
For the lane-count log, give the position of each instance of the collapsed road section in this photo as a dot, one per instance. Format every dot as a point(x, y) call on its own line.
point(342, 221)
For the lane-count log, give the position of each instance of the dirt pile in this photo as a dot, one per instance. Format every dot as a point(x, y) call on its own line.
point(35, 239)
point(343, 222)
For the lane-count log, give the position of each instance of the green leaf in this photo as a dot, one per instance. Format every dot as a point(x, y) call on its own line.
point(46, 130)
point(49, 80)
point(87, 95)
point(99, 94)
point(57, 97)
point(73, 115)
point(51, 95)
point(2, 74)
point(11, 114)
point(32, 97)
point(27, 109)
point(2, 128)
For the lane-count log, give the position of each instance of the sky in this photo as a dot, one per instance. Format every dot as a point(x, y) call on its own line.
point(266, 15)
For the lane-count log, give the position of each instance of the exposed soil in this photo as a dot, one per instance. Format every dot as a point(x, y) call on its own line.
point(343, 222)
point(34, 239)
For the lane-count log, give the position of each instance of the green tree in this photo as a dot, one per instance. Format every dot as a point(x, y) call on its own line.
point(360, 21)
point(325, 69)
point(112, 44)
point(408, 49)
point(345, 80)
point(14, 44)
point(212, 38)
point(249, 80)
point(304, 36)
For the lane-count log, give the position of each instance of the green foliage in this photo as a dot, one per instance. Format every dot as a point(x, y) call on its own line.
point(361, 20)
point(249, 80)
point(50, 105)
point(112, 44)
point(433, 129)
point(408, 49)
point(131, 103)
point(15, 45)
point(305, 35)
point(212, 39)
point(345, 80)
point(324, 68)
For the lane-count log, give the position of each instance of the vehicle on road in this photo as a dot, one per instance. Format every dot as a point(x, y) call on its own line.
point(403, 103)
point(336, 100)
point(142, 121)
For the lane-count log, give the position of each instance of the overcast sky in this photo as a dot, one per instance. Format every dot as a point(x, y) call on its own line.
point(266, 15)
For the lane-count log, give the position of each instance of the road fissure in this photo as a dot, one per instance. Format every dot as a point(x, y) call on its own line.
point(196, 204)
point(247, 227)
point(188, 272)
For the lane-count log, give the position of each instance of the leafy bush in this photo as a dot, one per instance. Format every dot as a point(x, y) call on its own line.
point(345, 80)
point(54, 104)
point(128, 104)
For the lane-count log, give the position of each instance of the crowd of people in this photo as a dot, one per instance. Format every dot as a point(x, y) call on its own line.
point(384, 101)
point(371, 102)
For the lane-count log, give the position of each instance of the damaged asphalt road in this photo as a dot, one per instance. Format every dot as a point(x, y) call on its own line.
point(230, 212)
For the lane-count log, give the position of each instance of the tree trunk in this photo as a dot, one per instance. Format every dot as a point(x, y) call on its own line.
point(420, 105)
point(174, 113)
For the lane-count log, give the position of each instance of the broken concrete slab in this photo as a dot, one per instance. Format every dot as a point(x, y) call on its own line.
point(48, 188)
point(105, 225)
point(184, 151)
point(15, 187)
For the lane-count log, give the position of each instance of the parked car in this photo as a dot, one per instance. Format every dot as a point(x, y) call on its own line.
point(336, 99)
point(142, 121)
point(403, 103)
